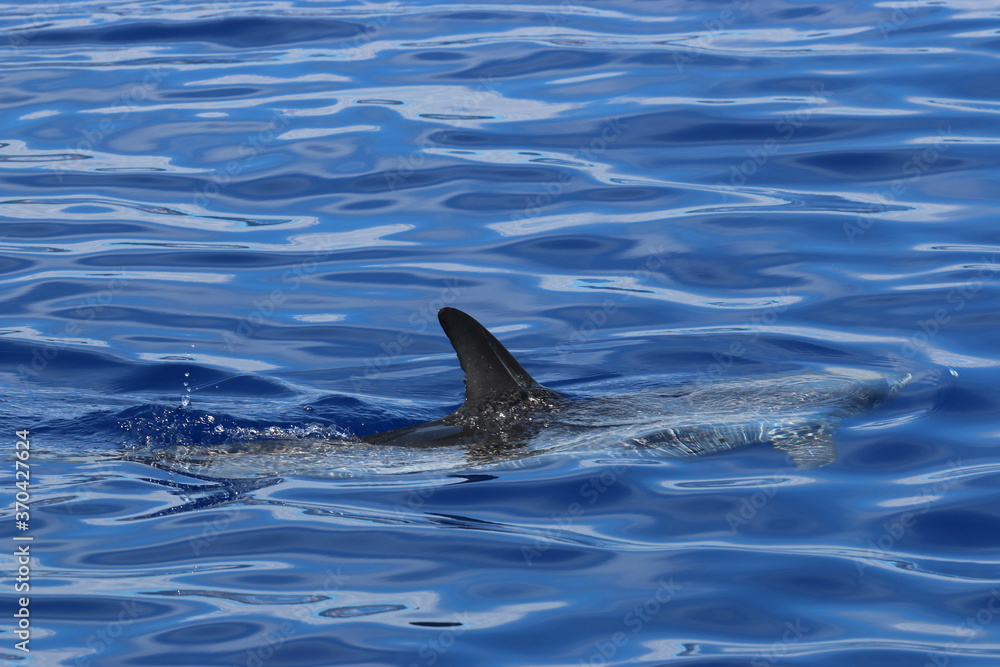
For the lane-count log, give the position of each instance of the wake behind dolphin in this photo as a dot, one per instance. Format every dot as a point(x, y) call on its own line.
point(507, 414)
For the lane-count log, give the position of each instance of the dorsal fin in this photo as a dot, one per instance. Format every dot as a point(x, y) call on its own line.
point(490, 370)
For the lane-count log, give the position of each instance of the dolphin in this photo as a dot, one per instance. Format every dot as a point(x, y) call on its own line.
point(507, 414)
point(502, 402)
point(505, 409)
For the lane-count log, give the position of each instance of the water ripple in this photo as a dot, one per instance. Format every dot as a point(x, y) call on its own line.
point(225, 223)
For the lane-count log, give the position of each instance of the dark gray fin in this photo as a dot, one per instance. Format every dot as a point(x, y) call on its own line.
point(809, 445)
point(490, 370)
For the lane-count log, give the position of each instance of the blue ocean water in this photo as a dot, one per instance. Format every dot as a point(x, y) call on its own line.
point(223, 221)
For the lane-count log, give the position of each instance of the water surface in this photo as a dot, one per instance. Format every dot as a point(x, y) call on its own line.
point(226, 221)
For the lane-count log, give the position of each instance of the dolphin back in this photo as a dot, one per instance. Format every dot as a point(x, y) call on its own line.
point(500, 396)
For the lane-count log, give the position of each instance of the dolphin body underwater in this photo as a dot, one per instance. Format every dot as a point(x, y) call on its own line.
point(505, 409)
point(508, 415)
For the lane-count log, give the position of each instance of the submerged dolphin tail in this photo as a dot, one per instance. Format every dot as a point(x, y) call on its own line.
point(490, 370)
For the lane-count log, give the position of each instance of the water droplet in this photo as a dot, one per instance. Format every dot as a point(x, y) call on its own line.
point(186, 396)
